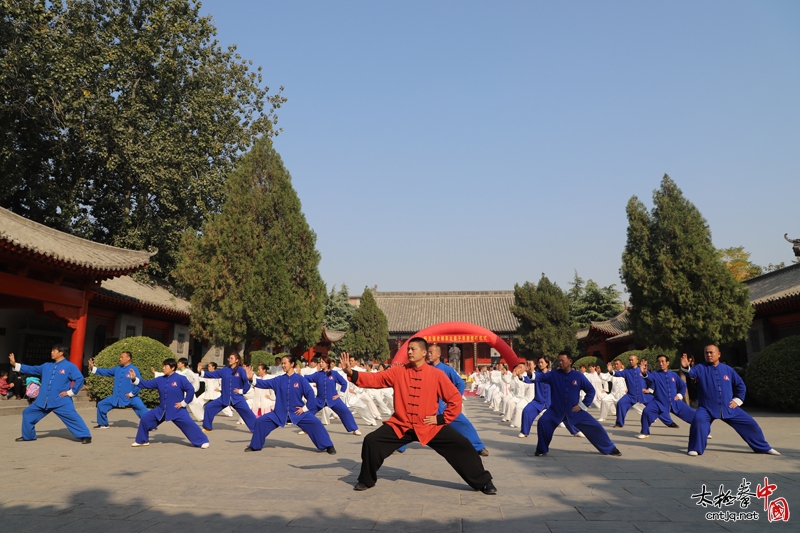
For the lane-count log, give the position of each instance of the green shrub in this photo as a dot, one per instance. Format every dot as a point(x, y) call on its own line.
point(772, 379)
point(589, 360)
point(650, 355)
point(260, 356)
point(145, 353)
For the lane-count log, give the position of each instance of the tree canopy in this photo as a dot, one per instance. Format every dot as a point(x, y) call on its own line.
point(122, 118)
point(253, 270)
point(682, 294)
point(338, 314)
point(737, 261)
point(545, 326)
point(368, 337)
point(590, 302)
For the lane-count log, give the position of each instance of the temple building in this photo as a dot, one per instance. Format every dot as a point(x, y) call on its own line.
point(59, 288)
point(410, 312)
point(608, 338)
point(776, 298)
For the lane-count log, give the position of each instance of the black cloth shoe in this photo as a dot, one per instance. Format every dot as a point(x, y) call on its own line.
point(249, 449)
point(331, 450)
point(615, 452)
point(100, 427)
point(539, 453)
point(20, 439)
point(489, 489)
point(360, 486)
point(86, 440)
point(484, 453)
point(673, 425)
point(617, 426)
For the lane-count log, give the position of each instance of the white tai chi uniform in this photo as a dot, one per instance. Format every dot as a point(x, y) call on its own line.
point(528, 396)
point(517, 389)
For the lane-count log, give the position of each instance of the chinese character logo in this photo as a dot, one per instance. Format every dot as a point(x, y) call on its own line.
point(777, 509)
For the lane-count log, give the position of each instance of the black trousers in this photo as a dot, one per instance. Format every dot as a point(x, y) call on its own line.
point(448, 443)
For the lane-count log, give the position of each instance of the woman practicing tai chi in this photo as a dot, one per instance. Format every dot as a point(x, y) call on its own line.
point(330, 384)
point(290, 389)
point(417, 389)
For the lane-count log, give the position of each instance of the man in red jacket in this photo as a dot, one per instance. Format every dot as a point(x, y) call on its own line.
point(417, 389)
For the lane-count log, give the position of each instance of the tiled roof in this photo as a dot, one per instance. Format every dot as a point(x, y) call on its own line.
point(775, 286)
point(149, 296)
point(25, 236)
point(613, 326)
point(409, 312)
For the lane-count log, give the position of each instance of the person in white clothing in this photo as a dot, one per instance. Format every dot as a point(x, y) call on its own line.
point(503, 389)
point(517, 392)
point(608, 405)
point(263, 399)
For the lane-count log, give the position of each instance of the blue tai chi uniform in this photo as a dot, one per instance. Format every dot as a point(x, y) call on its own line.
point(119, 397)
point(665, 386)
point(635, 383)
point(56, 378)
point(172, 389)
point(461, 423)
point(565, 388)
point(326, 383)
point(717, 386)
point(540, 402)
point(289, 394)
point(230, 380)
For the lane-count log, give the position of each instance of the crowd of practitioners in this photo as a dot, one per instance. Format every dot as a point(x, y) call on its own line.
point(419, 401)
point(522, 395)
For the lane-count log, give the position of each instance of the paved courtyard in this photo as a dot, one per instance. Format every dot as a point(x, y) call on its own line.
point(58, 484)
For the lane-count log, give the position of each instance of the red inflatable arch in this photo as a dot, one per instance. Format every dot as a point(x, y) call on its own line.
point(448, 332)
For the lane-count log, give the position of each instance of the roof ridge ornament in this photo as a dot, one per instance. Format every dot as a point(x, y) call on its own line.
point(795, 242)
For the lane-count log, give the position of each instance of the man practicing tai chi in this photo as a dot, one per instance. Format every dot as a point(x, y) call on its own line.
point(235, 384)
point(61, 380)
point(667, 389)
point(417, 389)
point(720, 392)
point(174, 392)
point(330, 385)
point(290, 389)
point(124, 394)
point(566, 385)
point(635, 396)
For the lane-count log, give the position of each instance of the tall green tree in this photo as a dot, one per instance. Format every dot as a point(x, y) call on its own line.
point(338, 309)
point(590, 302)
point(545, 326)
point(253, 270)
point(682, 294)
point(121, 118)
point(368, 337)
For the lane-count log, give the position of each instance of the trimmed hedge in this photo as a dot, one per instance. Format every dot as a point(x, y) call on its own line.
point(772, 379)
point(260, 356)
point(589, 360)
point(145, 353)
point(650, 355)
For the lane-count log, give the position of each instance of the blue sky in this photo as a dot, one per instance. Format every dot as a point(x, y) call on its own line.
point(474, 145)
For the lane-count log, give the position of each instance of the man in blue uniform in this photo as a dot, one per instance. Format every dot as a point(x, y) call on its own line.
point(329, 385)
point(174, 392)
point(461, 423)
point(566, 385)
point(635, 395)
point(235, 385)
point(667, 389)
point(60, 381)
point(290, 389)
point(541, 400)
point(720, 392)
point(124, 394)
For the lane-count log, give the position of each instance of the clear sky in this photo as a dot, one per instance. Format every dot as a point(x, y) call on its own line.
point(457, 145)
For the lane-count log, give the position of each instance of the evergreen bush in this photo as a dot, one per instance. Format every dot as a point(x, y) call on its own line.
point(771, 378)
point(589, 360)
point(145, 353)
point(261, 356)
point(650, 355)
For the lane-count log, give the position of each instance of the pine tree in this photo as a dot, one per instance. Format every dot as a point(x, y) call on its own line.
point(591, 302)
point(368, 337)
point(682, 294)
point(253, 270)
point(545, 327)
point(338, 310)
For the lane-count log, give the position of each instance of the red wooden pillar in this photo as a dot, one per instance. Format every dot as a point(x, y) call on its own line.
point(78, 336)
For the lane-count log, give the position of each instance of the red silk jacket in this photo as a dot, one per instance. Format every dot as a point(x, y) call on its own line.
point(416, 395)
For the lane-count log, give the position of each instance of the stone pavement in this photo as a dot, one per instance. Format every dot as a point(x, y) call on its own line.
point(58, 484)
